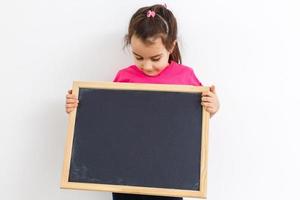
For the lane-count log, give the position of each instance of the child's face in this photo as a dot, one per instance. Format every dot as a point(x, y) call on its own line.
point(150, 58)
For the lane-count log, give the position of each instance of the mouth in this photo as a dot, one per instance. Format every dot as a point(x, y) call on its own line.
point(151, 73)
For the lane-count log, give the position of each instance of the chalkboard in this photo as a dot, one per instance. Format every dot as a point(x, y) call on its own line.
point(137, 138)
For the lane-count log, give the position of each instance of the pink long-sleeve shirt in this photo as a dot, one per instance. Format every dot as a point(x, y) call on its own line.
point(174, 73)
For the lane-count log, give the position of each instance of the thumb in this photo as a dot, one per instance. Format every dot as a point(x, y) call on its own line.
point(70, 91)
point(212, 89)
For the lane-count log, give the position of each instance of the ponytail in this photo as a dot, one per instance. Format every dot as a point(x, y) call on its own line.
point(175, 55)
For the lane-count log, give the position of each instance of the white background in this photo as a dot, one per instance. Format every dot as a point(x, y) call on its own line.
point(249, 49)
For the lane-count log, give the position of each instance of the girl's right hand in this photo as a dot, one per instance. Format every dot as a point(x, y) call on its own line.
point(71, 102)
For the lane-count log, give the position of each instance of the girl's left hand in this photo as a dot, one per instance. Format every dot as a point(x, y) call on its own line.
point(210, 101)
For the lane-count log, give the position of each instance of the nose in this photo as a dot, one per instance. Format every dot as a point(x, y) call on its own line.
point(147, 66)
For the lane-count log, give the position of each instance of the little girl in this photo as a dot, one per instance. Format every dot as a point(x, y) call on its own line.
point(152, 35)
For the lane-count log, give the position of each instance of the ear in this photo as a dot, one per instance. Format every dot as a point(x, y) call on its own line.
point(173, 46)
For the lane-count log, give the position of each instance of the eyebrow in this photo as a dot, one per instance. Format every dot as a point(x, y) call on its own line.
point(142, 56)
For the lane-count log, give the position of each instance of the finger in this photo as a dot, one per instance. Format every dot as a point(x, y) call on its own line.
point(207, 99)
point(210, 110)
point(71, 105)
point(68, 110)
point(69, 91)
point(207, 104)
point(71, 96)
point(207, 94)
point(212, 89)
point(72, 101)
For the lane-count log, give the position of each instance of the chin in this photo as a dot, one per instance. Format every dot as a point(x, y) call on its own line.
point(151, 74)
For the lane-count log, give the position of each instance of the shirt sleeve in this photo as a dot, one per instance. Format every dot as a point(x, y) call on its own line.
point(194, 79)
point(116, 79)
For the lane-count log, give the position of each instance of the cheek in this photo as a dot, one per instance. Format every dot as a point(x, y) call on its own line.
point(158, 66)
point(161, 64)
point(137, 62)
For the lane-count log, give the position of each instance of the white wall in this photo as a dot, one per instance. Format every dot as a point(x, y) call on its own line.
point(248, 49)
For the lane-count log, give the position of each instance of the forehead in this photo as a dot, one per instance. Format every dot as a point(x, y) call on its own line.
point(145, 49)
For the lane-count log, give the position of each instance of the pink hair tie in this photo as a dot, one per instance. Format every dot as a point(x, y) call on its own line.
point(150, 13)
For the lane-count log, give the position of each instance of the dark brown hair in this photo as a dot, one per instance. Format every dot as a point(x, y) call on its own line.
point(162, 25)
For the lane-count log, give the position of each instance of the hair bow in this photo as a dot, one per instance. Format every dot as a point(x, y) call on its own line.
point(150, 13)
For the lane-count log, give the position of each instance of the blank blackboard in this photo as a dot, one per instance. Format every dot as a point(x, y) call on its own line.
point(137, 138)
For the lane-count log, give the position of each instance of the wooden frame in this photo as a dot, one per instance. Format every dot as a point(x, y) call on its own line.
point(133, 189)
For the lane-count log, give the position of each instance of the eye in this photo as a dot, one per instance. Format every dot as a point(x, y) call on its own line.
point(155, 60)
point(138, 58)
